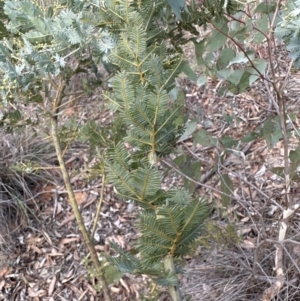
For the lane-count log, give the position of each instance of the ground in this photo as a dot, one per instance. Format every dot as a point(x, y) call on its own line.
point(43, 256)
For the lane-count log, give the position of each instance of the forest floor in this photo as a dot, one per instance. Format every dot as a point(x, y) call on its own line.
point(43, 256)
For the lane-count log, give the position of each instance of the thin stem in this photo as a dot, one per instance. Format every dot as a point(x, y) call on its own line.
point(98, 207)
point(170, 267)
point(71, 195)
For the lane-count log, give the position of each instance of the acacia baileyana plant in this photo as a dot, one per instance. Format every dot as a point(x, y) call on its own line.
point(37, 46)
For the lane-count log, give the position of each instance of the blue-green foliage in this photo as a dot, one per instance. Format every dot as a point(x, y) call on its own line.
point(170, 229)
point(131, 36)
point(40, 44)
point(169, 221)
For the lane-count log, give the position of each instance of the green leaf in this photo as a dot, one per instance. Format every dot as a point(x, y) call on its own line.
point(50, 12)
point(173, 94)
point(228, 141)
point(277, 135)
point(193, 172)
point(268, 130)
point(295, 156)
point(279, 171)
point(190, 128)
point(265, 7)
point(112, 274)
point(244, 82)
point(200, 50)
point(272, 130)
point(218, 37)
point(260, 65)
point(177, 6)
point(189, 72)
point(252, 136)
point(204, 138)
point(240, 58)
point(225, 56)
point(262, 24)
point(201, 80)
point(295, 163)
point(242, 34)
point(167, 280)
point(225, 73)
point(125, 262)
point(189, 167)
point(292, 117)
point(227, 188)
point(236, 76)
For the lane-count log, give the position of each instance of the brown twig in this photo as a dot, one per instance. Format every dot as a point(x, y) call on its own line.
point(207, 176)
point(275, 288)
point(290, 207)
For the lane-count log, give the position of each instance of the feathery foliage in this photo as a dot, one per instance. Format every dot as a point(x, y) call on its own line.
point(168, 220)
point(132, 38)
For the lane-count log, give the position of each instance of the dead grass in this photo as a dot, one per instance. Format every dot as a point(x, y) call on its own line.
point(229, 274)
point(27, 162)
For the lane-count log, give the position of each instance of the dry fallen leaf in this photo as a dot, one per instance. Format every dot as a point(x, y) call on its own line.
point(36, 249)
point(51, 285)
point(5, 271)
point(47, 193)
point(65, 241)
point(117, 238)
point(248, 244)
point(33, 292)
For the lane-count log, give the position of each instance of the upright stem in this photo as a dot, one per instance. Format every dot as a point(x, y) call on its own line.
point(170, 267)
point(66, 178)
point(85, 234)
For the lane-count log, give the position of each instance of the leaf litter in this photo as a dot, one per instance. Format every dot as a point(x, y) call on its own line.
point(46, 259)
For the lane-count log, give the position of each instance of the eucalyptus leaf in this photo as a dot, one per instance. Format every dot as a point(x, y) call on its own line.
point(279, 171)
point(228, 141)
point(236, 76)
point(200, 50)
point(190, 128)
point(265, 7)
point(226, 188)
point(218, 36)
point(277, 135)
point(295, 156)
point(262, 26)
point(202, 79)
point(268, 130)
point(189, 72)
point(174, 93)
point(225, 73)
point(260, 67)
point(272, 130)
point(225, 56)
point(204, 138)
point(252, 136)
point(244, 82)
point(240, 58)
point(292, 117)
